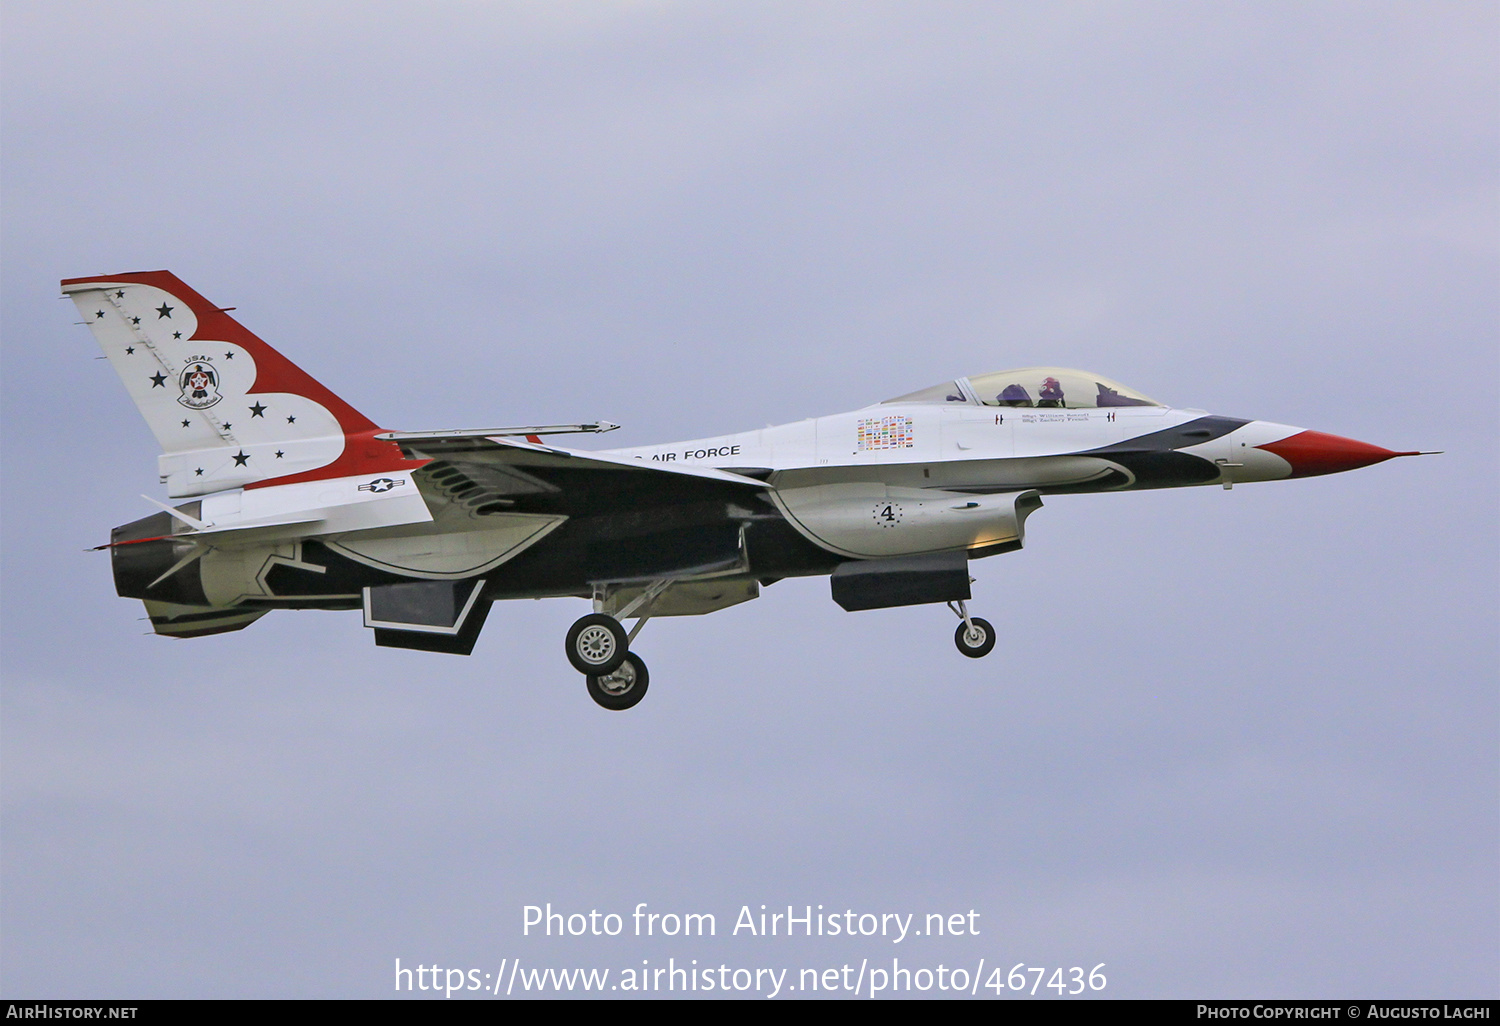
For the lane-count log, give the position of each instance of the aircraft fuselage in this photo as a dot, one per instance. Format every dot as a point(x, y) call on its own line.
point(295, 500)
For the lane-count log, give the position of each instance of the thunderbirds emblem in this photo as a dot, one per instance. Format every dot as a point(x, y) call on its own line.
point(200, 386)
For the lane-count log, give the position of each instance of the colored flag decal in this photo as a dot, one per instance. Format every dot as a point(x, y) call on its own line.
point(884, 433)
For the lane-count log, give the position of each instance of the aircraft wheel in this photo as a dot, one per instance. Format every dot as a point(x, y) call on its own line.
point(597, 644)
point(977, 643)
point(623, 688)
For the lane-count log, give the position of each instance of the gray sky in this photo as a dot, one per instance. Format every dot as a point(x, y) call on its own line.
point(1229, 744)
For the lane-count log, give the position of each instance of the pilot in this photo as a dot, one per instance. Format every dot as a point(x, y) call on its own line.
point(1051, 393)
point(1014, 395)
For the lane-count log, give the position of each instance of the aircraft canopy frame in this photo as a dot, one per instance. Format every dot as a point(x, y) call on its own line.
point(1032, 387)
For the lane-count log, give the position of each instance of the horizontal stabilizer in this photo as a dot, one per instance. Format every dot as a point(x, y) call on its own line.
point(327, 506)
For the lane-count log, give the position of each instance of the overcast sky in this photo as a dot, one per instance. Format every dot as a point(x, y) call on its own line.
point(1238, 743)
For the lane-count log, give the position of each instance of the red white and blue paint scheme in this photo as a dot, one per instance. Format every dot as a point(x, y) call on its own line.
point(288, 498)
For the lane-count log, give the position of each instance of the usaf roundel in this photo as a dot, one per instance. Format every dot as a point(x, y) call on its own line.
point(199, 383)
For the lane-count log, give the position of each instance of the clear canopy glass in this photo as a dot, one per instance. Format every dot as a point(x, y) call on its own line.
point(1033, 387)
point(947, 392)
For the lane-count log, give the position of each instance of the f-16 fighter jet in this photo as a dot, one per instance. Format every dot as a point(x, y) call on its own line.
point(292, 499)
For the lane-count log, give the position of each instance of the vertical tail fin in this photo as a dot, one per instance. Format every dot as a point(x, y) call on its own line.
point(228, 410)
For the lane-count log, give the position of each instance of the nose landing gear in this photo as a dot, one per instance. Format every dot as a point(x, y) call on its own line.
point(975, 637)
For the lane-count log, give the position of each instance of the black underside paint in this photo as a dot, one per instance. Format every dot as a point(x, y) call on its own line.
point(1164, 469)
point(901, 581)
point(777, 549)
point(678, 550)
point(1111, 480)
point(1194, 432)
point(1153, 459)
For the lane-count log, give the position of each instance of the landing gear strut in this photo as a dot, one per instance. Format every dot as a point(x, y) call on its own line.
point(974, 637)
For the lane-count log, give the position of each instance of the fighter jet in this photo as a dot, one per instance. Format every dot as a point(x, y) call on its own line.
point(292, 499)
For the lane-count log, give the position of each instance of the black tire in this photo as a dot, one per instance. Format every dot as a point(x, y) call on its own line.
point(623, 688)
point(597, 645)
point(969, 646)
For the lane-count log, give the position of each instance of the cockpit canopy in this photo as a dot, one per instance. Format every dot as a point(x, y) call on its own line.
point(1054, 387)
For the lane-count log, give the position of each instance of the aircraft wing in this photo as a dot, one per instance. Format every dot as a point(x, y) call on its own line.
point(513, 452)
point(624, 518)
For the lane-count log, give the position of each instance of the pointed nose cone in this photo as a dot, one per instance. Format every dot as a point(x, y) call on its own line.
point(1312, 453)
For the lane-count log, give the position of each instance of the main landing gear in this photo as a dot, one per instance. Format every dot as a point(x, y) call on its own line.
point(624, 687)
point(599, 648)
point(975, 637)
